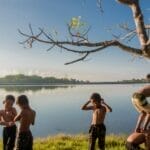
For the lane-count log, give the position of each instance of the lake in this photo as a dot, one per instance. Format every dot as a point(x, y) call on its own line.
point(58, 107)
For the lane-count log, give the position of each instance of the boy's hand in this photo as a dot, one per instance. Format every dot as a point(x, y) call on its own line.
point(102, 101)
point(11, 123)
point(90, 101)
point(86, 107)
point(138, 130)
point(143, 130)
point(6, 124)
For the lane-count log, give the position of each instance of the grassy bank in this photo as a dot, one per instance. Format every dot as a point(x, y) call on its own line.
point(76, 142)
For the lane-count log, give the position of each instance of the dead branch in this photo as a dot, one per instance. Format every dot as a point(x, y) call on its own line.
point(80, 47)
point(139, 24)
point(79, 42)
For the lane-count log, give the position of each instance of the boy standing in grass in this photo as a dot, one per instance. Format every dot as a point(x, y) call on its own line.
point(7, 116)
point(26, 118)
point(97, 129)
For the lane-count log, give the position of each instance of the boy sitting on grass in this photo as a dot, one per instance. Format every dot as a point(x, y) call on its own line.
point(97, 129)
point(7, 116)
point(142, 105)
point(136, 139)
point(26, 118)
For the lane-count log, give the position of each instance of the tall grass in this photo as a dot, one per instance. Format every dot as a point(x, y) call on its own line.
point(76, 142)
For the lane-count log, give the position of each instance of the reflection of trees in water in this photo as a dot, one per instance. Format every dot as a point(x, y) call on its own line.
point(22, 89)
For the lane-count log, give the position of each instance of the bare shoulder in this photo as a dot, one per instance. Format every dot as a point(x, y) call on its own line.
point(103, 108)
point(23, 113)
point(33, 112)
point(145, 90)
point(146, 87)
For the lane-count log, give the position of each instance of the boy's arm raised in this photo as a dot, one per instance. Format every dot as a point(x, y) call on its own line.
point(86, 107)
point(108, 108)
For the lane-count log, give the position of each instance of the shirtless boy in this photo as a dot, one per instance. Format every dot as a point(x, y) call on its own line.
point(26, 118)
point(97, 129)
point(143, 107)
point(136, 139)
point(7, 116)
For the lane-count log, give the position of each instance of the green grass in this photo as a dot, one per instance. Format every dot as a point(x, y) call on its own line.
point(76, 142)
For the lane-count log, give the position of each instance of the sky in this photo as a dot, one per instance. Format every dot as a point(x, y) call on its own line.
point(111, 64)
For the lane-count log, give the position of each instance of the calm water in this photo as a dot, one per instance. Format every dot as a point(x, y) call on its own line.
point(58, 107)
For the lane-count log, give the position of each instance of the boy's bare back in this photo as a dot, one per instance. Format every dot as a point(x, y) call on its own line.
point(145, 91)
point(98, 115)
point(26, 117)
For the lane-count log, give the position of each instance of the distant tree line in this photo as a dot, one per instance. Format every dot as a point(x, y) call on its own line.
point(35, 79)
point(22, 79)
point(136, 81)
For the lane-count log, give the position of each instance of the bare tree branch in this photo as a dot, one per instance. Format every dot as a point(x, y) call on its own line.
point(132, 32)
point(79, 43)
point(139, 23)
point(80, 59)
point(99, 3)
point(96, 45)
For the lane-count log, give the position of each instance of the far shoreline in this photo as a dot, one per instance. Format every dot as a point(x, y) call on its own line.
point(71, 84)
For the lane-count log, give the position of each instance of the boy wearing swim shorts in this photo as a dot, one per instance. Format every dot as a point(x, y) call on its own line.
point(26, 118)
point(97, 129)
point(7, 116)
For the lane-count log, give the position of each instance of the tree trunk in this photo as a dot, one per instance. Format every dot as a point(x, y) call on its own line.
point(139, 23)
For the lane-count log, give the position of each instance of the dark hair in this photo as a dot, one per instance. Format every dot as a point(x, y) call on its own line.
point(148, 76)
point(10, 98)
point(22, 100)
point(96, 96)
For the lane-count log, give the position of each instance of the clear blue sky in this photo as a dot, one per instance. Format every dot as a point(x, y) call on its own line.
point(110, 64)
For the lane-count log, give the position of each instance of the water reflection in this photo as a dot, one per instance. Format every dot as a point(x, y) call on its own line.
point(31, 89)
